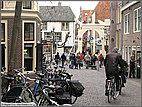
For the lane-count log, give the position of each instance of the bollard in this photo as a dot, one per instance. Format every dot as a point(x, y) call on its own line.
point(138, 72)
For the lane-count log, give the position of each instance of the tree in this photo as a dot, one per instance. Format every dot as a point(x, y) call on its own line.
point(15, 32)
point(64, 43)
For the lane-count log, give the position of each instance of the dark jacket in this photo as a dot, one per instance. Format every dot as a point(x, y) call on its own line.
point(78, 59)
point(57, 57)
point(111, 63)
point(72, 57)
point(132, 63)
point(63, 57)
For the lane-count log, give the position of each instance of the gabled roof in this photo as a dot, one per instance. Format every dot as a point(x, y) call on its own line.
point(56, 13)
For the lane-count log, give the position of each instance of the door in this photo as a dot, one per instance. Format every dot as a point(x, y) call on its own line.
point(3, 55)
point(28, 57)
point(39, 54)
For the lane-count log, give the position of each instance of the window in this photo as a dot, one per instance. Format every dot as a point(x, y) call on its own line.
point(29, 31)
point(27, 5)
point(65, 26)
point(58, 36)
point(119, 14)
point(137, 20)
point(44, 26)
point(127, 23)
point(2, 32)
point(47, 35)
point(1, 4)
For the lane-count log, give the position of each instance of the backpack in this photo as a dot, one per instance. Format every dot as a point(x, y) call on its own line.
point(76, 88)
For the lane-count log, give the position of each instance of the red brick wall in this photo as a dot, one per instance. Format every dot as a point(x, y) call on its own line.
point(102, 10)
point(10, 22)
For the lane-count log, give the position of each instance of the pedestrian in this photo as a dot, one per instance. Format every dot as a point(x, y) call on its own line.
point(44, 58)
point(132, 67)
point(72, 59)
point(100, 60)
point(82, 57)
point(57, 58)
point(87, 60)
point(63, 57)
point(94, 59)
point(78, 61)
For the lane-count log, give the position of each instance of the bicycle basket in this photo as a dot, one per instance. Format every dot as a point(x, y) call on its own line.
point(76, 88)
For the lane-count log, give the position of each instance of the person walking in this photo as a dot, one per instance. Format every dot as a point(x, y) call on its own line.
point(132, 67)
point(57, 57)
point(100, 60)
point(94, 59)
point(63, 57)
point(72, 59)
point(82, 57)
point(78, 61)
point(87, 60)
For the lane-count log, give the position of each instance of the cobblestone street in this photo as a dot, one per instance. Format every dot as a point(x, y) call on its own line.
point(94, 83)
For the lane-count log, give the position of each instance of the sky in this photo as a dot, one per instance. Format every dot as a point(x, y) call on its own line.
point(75, 5)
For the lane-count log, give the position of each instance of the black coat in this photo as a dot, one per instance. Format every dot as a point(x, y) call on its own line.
point(111, 63)
point(63, 57)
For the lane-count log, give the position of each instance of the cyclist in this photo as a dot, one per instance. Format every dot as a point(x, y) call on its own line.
point(112, 61)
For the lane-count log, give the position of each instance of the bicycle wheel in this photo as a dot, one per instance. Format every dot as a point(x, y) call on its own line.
point(110, 95)
point(27, 96)
point(109, 91)
point(115, 94)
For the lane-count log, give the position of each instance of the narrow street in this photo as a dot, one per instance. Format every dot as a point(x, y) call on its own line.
point(94, 83)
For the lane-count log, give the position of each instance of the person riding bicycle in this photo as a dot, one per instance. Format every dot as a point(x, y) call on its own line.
point(112, 61)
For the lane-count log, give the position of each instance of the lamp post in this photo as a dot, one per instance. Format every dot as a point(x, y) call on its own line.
point(106, 38)
point(52, 40)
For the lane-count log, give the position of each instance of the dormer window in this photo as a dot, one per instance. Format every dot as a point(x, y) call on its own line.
point(27, 5)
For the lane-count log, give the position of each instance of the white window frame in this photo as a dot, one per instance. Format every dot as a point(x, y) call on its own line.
point(65, 29)
point(129, 53)
point(128, 22)
point(138, 30)
point(44, 26)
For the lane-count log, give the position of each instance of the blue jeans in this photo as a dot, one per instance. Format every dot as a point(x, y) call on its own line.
point(63, 62)
point(72, 64)
point(87, 64)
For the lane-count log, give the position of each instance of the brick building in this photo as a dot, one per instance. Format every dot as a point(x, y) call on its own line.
point(102, 11)
point(29, 33)
point(125, 29)
point(131, 29)
point(115, 27)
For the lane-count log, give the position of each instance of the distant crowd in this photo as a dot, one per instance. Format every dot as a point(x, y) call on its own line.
point(76, 61)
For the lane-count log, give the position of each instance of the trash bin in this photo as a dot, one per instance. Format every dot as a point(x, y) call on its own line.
point(138, 72)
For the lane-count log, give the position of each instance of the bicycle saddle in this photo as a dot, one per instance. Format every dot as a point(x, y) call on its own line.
point(40, 75)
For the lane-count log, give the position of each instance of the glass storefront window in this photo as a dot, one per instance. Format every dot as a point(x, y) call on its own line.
point(29, 31)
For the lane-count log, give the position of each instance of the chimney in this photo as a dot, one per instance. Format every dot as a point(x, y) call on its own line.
point(59, 3)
